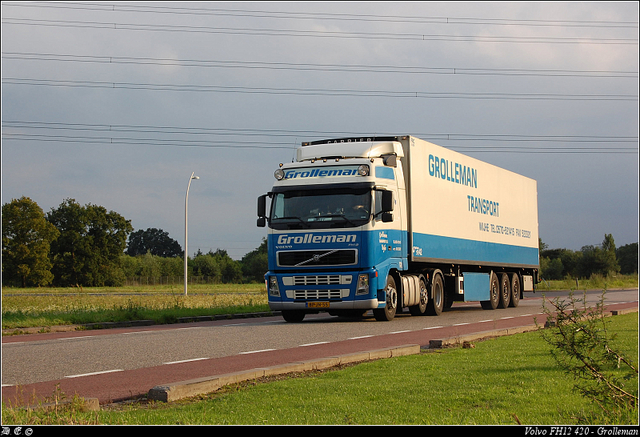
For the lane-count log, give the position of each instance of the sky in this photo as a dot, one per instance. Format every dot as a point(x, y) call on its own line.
point(117, 104)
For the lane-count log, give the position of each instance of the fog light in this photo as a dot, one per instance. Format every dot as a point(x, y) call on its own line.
point(363, 285)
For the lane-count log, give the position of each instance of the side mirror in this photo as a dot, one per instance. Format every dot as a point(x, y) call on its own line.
point(387, 201)
point(262, 211)
point(387, 206)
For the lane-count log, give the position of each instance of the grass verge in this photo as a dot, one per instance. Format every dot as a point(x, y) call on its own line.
point(503, 381)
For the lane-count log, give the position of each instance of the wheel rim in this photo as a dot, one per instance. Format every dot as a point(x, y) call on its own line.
point(515, 290)
point(506, 289)
point(392, 297)
point(495, 290)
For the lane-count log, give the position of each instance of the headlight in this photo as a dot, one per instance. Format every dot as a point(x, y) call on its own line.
point(363, 170)
point(274, 290)
point(279, 174)
point(363, 284)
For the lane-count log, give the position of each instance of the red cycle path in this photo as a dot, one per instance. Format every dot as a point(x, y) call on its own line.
point(112, 387)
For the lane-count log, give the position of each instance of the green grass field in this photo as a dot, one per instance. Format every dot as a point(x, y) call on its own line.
point(45, 307)
point(503, 381)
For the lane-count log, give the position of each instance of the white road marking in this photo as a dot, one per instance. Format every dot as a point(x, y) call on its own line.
point(186, 361)
point(313, 344)
point(255, 352)
point(94, 373)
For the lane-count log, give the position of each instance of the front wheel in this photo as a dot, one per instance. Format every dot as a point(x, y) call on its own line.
point(387, 313)
point(293, 316)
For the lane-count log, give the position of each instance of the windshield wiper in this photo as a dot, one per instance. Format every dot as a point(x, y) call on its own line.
point(338, 215)
point(292, 218)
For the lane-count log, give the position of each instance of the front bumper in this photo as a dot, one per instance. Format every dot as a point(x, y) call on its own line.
point(322, 291)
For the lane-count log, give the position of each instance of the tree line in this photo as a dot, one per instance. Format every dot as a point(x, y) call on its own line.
point(74, 245)
point(604, 260)
point(88, 246)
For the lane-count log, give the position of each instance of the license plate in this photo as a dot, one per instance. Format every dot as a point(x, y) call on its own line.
point(317, 304)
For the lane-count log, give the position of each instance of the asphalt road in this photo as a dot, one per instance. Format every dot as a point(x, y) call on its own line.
point(121, 363)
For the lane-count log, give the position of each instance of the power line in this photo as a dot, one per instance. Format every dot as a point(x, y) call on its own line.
point(317, 33)
point(316, 91)
point(261, 145)
point(315, 67)
point(11, 131)
point(120, 7)
point(160, 129)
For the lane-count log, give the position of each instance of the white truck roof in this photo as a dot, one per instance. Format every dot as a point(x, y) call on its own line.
point(348, 149)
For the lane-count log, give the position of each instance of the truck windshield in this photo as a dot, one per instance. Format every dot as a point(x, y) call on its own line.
point(324, 208)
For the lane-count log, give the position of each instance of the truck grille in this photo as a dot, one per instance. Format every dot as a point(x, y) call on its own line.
point(314, 258)
point(317, 294)
point(316, 280)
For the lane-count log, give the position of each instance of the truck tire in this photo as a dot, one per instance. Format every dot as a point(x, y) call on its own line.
point(293, 316)
point(387, 313)
point(505, 291)
point(421, 308)
point(515, 290)
point(494, 294)
point(436, 300)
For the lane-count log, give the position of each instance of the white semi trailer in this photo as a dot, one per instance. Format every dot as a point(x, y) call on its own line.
point(382, 224)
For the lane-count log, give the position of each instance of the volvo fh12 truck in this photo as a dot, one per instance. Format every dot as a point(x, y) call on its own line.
point(384, 224)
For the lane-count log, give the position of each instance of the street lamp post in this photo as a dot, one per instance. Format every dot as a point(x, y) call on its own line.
point(186, 239)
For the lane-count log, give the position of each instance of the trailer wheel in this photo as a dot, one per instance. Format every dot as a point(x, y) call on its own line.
point(494, 294)
point(421, 308)
point(505, 291)
point(515, 290)
point(436, 300)
point(293, 316)
point(387, 313)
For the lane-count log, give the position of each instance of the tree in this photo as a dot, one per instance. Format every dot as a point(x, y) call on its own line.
point(90, 245)
point(155, 241)
point(584, 349)
point(230, 269)
point(600, 260)
point(26, 240)
point(551, 268)
point(217, 265)
point(627, 256)
point(255, 264)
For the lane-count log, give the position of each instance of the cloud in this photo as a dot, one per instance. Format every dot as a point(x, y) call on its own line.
point(233, 136)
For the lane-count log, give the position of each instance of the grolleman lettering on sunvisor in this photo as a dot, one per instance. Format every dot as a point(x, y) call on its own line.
point(316, 238)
